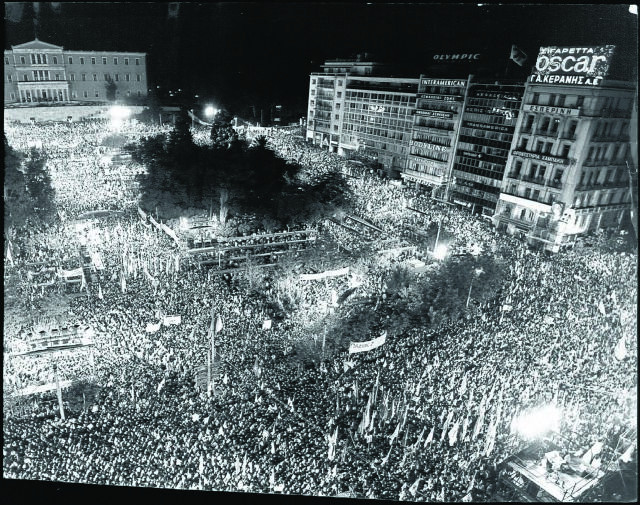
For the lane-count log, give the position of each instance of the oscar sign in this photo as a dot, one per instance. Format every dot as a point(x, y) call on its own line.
point(582, 66)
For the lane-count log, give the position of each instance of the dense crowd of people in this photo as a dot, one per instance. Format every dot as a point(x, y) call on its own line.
point(428, 416)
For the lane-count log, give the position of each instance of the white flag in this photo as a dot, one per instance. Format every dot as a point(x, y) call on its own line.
point(266, 325)
point(100, 292)
point(620, 352)
point(453, 433)
point(429, 437)
point(218, 324)
point(602, 309)
point(626, 457)
point(152, 328)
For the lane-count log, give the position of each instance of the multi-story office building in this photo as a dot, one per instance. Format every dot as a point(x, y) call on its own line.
point(567, 171)
point(351, 109)
point(436, 124)
point(484, 141)
point(37, 72)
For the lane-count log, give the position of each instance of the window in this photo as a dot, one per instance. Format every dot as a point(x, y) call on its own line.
point(93, 61)
point(22, 60)
point(25, 78)
point(139, 93)
point(106, 77)
point(84, 77)
point(55, 60)
point(138, 77)
point(115, 61)
point(580, 101)
point(339, 94)
point(529, 122)
point(517, 166)
point(336, 116)
point(128, 93)
point(137, 61)
point(9, 77)
point(558, 175)
point(116, 77)
point(335, 127)
point(126, 61)
point(58, 77)
point(313, 81)
point(339, 83)
point(127, 77)
point(536, 98)
point(97, 93)
point(72, 77)
point(33, 59)
point(565, 151)
point(85, 94)
point(6, 60)
point(74, 94)
point(81, 61)
point(95, 77)
point(544, 125)
point(13, 96)
point(70, 60)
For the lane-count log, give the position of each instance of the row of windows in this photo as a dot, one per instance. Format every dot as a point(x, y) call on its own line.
point(483, 136)
point(491, 103)
point(41, 59)
point(428, 153)
point(550, 126)
point(377, 132)
point(607, 152)
point(442, 90)
point(74, 94)
point(381, 97)
point(534, 170)
point(544, 147)
point(602, 102)
point(601, 176)
point(434, 123)
point(362, 118)
point(484, 149)
point(594, 199)
point(116, 77)
point(480, 167)
point(482, 141)
point(427, 169)
point(496, 119)
point(432, 139)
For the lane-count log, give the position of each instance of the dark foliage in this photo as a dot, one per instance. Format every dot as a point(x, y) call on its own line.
point(39, 186)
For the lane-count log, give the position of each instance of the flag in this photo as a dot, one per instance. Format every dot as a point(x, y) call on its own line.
point(518, 55)
point(84, 283)
point(414, 487)
point(453, 433)
point(602, 309)
point(272, 478)
point(266, 325)
point(9, 254)
point(152, 328)
point(100, 292)
point(588, 456)
point(446, 425)
point(626, 457)
point(201, 465)
point(620, 352)
point(490, 440)
point(394, 435)
point(467, 498)
point(429, 437)
point(386, 458)
point(218, 324)
point(161, 385)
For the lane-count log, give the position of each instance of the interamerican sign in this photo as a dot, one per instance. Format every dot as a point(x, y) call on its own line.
point(444, 82)
point(541, 157)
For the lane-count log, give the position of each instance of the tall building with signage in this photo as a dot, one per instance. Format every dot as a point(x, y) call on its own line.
point(354, 109)
point(39, 72)
point(439, 108)
point(567, 170)
point(484, 140)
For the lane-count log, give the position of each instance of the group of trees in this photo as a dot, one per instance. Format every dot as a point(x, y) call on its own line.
point(252, 177)
point(407, 301)
point(28, 192)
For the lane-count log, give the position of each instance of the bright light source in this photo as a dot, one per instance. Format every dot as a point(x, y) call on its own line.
point(537, 422)
point(440, 252)
point(479, 271)
point(119, 112)
point(210, 111)
point(633, 9)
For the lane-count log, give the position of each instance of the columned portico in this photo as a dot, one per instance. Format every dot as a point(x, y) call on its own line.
point(47, 91)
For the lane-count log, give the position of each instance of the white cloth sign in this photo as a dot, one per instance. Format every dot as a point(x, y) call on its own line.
point(169, 320)
point(267, 324)
point(368, 345)
point(152, 328)
point(322, 275)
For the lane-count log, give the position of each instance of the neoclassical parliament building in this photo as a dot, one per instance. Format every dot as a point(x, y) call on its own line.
point(39, 72)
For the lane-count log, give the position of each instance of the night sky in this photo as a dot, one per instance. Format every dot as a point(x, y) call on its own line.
point(262, 53)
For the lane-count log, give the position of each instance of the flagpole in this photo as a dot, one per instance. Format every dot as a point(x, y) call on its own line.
point(58, 391)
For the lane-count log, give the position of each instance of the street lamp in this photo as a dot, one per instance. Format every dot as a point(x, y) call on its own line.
point(477, 272)
point(210, 111)
point(536, 422)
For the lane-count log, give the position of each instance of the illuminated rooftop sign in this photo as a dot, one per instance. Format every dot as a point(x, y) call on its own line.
point(582, 66)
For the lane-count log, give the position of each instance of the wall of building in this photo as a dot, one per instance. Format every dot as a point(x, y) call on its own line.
point(75, 112)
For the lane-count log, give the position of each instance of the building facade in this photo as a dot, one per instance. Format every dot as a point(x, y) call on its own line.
point(440, 103)
point(567, 173)
point(39, 72)
point(484, 140)
point(352, 110)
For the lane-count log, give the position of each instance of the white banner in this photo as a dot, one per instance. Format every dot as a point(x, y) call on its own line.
point(322, 275)
point(152, 328)
point(267, 324)
point(169, 320)
point(368, 345)
point(97, 261)
point(142, 213)
point(76, 272)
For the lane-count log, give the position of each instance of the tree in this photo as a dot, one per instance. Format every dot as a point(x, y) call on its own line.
point(222, 133)
point(17, 203)
point(39, 185)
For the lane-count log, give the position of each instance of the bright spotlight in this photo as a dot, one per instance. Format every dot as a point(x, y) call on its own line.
point(537, 422)
point(440, 252)
point(210, 111)
point(119, 112)
point(476, 249)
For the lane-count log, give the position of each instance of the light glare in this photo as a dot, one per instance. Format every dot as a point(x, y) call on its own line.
point(537, 422)
point(440, 252)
